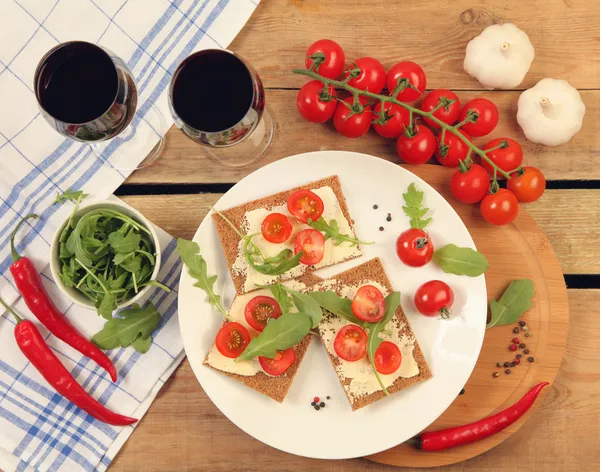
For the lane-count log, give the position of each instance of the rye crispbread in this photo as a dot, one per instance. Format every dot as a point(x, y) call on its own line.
point(373, 270)
point(230, 239)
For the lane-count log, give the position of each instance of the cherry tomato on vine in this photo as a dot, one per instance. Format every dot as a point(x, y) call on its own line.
point(418, 147)
point(305, 205)
point(352, 120)
point(414, 247)
point(330, 58)
point(508, 154)
point(470, 186)
point(280, 363)
point(368, 304)
point(232, 339)
point(314, 103)
point(312, 243)
point(485, 114)
point(434, 298)
point(528, 184)
point(371, 77)
point(276, 228)
point(452, 150)
point(409, 75)
point(350, 343)
point(500, 208)
point(448, 113)
point(387, 358)
point(397, 120)
point(260, 310)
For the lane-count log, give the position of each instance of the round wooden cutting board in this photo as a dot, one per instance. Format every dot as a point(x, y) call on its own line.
point(515, 251)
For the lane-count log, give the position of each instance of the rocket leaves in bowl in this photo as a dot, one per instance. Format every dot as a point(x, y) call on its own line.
point(108, 257)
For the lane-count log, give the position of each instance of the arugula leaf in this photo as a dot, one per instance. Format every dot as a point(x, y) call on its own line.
point(106, 306)
point(460, 260)
point(133, 326)
point(414, 207)
point(189, 252)
point(392, 301)
point(337, 305)
point(282, 297)
point(279, 334)
point(70, 196)
point(133, 265)
point(306, 304)
point(279, 264)
point(142, 345)
point(515, 301)
point(332, 231)
point(124, 244)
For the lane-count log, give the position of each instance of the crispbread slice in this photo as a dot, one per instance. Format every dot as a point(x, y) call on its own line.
point(230, 239)
point(275, 387)
point(372, 271)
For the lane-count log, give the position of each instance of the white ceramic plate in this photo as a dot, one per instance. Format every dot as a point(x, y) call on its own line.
point(451, 347)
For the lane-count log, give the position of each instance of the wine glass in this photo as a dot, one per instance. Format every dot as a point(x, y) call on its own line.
point(218, 100)
point(88, 94)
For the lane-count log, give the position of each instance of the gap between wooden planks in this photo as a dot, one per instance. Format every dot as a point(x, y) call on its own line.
point(184, 161)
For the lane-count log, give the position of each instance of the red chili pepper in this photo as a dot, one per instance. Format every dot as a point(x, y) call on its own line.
point(459, 435)
point(29, 284)
point(32, 344)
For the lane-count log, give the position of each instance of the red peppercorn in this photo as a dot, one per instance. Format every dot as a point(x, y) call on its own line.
point(516, 341)
point(316, 400)
point(517, 361)
point(512, 347)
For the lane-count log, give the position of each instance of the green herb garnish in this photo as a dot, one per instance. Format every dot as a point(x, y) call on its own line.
point(460, 260)
point(414, 209)
point(306, 304)
point(70, 196)
point(337, 305)
point(515, 301)
point(282, 297)
point(332, 231)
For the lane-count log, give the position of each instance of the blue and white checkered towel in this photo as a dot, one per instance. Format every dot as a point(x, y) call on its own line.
point(39, 430)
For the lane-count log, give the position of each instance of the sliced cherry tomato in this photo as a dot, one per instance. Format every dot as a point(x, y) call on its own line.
point(434, 298)
point(411, 77)
point(485, 114)
point(500, 208)
point(260, 310)
point(470, 186)
point(350, 343)
point(330, 57)
point(396, 119)
point(232, 339)
point(305, 205)
point(276, 228)
point(508, 154)
point(527, 184)
point(387, 358)
point(368, 304)
point(312, 243)
point(371, 77)
point(418, 147)
point(280, 363)
point(448, 112)
point(352, 120)
point(414, 247)
point(314, 103)
point(452, 150)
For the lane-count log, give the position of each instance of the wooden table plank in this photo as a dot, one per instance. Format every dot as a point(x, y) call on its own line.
point(183, 427)
point(184, 161)
point(432, 33)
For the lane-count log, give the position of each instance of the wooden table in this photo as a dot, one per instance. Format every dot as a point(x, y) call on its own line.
point(183, 430)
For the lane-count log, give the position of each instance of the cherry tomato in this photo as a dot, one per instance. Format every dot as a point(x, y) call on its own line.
point(508, 157)
point(470, 186)
point(280, 363)
point(418, 148)
point(371, 77)
point(350, 343)
point(329, 55)
point(351, 120)
point(232, 339)
point(486, 114)
point(276, 228)
point(313, 103)
point(500, 208)
point(528, 184)
point(305, 205)
point(387, 358)
point(414, 247)
point(452, 150)
point(368, 304)
point(260, 310)
point(434, 298)
point(312, 243)
point(411, 76)
point(448, 113)
point(398, 118)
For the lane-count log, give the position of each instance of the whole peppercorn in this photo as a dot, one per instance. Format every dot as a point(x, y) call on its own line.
point(526, 351)
point(507, 371)
point(496, 374)
point(317, 407)
point(512, 364)
point(516, 361)
point(516, 330)
point(516, 341)
point(518, 356)
point(322, 404)
point(498, 364)
point(512, 347)
point(522, 345)
point(530, 359)
point(506, 364)
point(527, 335)
point(522, 323)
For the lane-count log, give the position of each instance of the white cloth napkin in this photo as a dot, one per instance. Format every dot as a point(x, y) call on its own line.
point(39, 429)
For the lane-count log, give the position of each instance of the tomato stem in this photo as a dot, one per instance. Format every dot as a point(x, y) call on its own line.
point(389, 99)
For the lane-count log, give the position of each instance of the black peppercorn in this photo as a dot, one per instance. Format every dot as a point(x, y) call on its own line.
point(313, 403)
point(499, 364)
point(506, 364)
point(328, 397)
point(522, 323)
point(381, 228)
point(527, 335)
point(322, 405)
point(522, 345)
point(317, 407)
point(375, 207)
point(516, 330)
point(389, 217)
point(530, 359)
point(526, 351)
point(507, 371)
point(512, 364)
point(518, 356)
point(462, 392)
